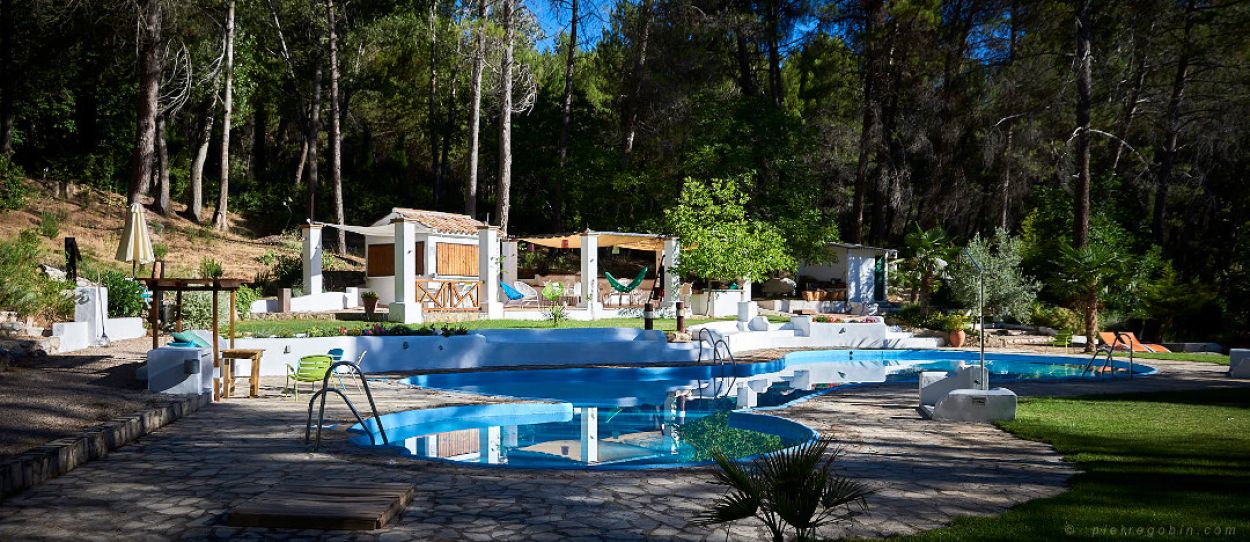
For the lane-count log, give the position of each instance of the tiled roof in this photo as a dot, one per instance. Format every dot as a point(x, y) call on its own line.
point(441, 222)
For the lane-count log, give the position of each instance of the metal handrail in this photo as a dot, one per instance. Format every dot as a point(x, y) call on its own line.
point(1109, 362)
point(716, 344)
point(321, 415)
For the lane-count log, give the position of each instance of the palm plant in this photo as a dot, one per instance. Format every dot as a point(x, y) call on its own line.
point(1087, 273)
point(792, 488)
point(930, 250)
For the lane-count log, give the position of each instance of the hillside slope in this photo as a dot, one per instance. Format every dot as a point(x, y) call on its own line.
point(95, 218)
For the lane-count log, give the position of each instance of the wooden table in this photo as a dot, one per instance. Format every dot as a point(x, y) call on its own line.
point(228, 357)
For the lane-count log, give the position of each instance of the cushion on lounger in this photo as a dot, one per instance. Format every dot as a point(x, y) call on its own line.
point(188, 337)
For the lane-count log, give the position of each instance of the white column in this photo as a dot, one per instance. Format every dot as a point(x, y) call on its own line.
point(747, 397)
point(488, 271)
point(312, 258)
point(405, 309)
point(590, 274)
point(431, 446)
point(488, 444)
point(509, 258)
point(590, 434)
point(672, 280)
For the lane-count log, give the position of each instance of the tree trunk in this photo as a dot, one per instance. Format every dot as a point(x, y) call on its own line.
point(432, 117)
point(640, 64)
point(260, 138)
point(314, 129)
point(1171, 129)
point(503, 198)
point(1084, 77)
point(149, 95)
point(336, 135)
point(870, 119)
point(746, 75)
point(475, 111)
point(195, 205)
point(163, 206)
point(6, 77)
point(1140, 70)
point(1004, 188)
point(566, 118)
point(774, 52)
point(566, 109)
point(221, 215)
point(303, 158)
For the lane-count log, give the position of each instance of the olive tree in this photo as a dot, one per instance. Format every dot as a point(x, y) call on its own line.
point(1009, 293)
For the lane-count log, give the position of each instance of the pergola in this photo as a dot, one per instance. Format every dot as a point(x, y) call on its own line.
point(178, 286)
point(588, 243)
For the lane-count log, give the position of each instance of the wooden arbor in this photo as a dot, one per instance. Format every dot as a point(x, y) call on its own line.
point(178, 286)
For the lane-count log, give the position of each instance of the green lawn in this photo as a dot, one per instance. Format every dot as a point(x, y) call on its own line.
point(265, 328)
point(1205, 357)
point(1176, 465)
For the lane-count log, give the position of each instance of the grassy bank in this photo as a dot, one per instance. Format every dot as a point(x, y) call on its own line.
point(1204, 357)
point(1173, 466)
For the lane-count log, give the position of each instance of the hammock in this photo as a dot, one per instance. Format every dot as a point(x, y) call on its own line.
point(626, 288)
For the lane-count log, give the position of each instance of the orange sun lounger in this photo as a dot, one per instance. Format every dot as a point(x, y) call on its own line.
point(1129, 340)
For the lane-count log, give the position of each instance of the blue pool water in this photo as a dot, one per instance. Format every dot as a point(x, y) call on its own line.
point(640, 417)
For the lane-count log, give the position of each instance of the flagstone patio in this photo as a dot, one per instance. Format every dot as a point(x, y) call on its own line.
point(178, 482)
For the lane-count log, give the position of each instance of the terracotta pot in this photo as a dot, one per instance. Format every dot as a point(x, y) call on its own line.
point(371, 305)
point(956, 338)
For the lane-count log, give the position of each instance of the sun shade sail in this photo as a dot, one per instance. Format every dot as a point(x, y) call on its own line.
point(607, 239)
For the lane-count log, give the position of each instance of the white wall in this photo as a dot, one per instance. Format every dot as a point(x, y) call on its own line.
point(861, 273)
point(827, 271)
point(487, 348)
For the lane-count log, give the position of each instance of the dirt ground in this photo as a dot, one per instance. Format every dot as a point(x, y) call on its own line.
point(43, 399)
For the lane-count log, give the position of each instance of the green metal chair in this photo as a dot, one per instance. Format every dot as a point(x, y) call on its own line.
point(1062, 339)
point(310, 369)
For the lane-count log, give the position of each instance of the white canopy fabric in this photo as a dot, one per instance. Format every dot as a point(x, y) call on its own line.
point(136, 244)
point(372, 231)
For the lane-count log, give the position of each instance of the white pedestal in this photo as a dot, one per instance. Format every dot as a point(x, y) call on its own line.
point(1239, 363)
point(590, 434)
point(981, 406)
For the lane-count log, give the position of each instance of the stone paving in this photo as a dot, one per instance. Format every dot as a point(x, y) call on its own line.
point(178, 482)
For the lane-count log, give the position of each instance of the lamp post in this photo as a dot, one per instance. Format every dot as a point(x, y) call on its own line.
point(980, 303)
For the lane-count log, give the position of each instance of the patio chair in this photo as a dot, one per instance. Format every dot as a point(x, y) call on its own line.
point(1128, 341)
point(340, 371)
point(1062, 339)
point(310, 369)
point(528, 295)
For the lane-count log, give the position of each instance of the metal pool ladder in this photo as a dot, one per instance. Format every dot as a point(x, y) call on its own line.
point(1108, 362)
point(321, 415)
point(718, 359)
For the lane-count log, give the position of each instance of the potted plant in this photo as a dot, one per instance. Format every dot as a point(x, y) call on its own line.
point(956, 326)
point(370, 300)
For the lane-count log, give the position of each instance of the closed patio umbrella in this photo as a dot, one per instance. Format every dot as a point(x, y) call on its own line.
point(136, 245)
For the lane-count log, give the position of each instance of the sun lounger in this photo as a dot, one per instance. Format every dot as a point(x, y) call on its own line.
point(1128, 340)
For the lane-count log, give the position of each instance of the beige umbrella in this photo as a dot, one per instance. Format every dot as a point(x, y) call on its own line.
point(136, 245)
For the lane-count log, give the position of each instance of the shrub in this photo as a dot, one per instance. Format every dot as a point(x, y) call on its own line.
point(197, 310)
point(243, 300)
point(555, 311)
point(125, 295)
point(160, 250)
point(1057, 318)
point(13, 189)
point(211, 269)
point(50, 223)
point(25, 288)
point(1009, 294)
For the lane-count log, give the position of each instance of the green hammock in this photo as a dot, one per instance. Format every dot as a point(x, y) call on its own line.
point(626, 288)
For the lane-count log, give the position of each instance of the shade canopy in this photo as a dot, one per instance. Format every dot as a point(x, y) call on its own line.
point(136, 244)
point(653, 242)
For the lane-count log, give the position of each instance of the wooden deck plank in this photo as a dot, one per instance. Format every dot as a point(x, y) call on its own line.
point(363, 506)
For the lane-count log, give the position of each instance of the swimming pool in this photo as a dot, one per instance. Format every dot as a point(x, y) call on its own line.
point(647, 417)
